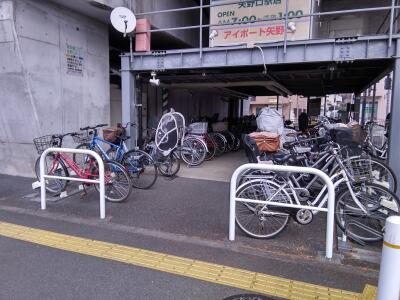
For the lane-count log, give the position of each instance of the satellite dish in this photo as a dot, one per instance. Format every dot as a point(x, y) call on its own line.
point(123, 20)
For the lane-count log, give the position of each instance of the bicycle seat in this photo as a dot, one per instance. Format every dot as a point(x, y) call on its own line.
point(287, 158)
point(281, 158)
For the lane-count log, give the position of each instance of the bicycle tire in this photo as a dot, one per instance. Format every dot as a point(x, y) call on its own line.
point(230, 140)
point(114, 171)
point(220, 141)
point(252, 218)
point(58, 185)
point(211, 148)
point(376, 214)
point(193, 151)
point(141, 168)
point(171, 161)
point(81, 159)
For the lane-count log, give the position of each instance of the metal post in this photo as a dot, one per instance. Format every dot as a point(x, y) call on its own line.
point(373, 104)
point(201, 30)
point(128, 99)
point(277, 103)
point(391, 23)
point(42, 183)
point(394, 138)
point(325, 104)
point(286, 23)
point(330, 210)
point(389, 274)
point(364, 105)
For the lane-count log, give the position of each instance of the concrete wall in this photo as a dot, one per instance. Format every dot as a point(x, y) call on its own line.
point(37, 94)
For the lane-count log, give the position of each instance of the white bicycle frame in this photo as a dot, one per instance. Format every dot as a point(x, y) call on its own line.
point(329, 210)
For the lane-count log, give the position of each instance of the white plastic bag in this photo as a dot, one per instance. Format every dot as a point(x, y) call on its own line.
point(270, 120)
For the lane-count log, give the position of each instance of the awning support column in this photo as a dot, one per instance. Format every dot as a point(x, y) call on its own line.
point(128, 89)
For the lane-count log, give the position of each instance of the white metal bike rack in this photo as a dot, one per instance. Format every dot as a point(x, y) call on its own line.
point(329, 210)
point(43, 176)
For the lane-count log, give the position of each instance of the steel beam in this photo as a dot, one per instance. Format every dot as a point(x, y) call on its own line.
point(394, 138)
point(128, 87)
point(338, 50)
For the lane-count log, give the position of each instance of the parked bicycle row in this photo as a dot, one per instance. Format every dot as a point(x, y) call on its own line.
point(162, 152)
point(365, 185)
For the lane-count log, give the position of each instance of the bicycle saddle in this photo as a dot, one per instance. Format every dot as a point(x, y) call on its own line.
point(287, 158)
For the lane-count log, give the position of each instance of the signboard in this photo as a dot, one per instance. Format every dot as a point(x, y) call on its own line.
point(74, 58)
point(247, 12)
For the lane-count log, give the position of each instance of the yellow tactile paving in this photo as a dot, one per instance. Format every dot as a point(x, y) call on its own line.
point(218, 274)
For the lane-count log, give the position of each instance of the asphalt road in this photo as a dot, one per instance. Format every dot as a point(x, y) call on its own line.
point(184, 217)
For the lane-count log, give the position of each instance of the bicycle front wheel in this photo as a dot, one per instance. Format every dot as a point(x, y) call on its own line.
point(141, 168)
point(193, 151)
point(53, 167)
point(170, 165)
point(117, 183)
point(260, 220)
point(379, 203)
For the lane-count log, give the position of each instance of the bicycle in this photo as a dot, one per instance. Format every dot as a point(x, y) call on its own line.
point(361, 207)
point(171, 135)
point(168, 165)
point(117, 182)
point(139, 165)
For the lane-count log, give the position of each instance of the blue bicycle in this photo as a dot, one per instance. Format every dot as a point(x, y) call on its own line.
point(139, 165)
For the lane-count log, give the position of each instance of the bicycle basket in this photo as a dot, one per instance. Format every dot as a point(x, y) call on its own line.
point(112, 134)
point(83, 137)
point(198, 128)
point(44, 142)
point(360, 169)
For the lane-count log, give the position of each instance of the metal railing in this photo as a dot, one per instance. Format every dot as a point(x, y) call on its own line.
point(43, 176)
point(329, 210)
point(391, 9)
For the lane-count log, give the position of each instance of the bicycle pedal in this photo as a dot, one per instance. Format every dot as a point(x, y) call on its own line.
point(82, 195)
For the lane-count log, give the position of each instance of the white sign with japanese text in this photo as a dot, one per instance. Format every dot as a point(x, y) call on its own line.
point(239, 24)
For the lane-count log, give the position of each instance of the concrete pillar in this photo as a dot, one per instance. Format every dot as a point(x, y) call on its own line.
point(394, 138)
point(128, 87)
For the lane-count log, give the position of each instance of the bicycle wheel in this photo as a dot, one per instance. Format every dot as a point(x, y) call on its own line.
point(211, 148)
point(117, 183)
point(261, 220)
point(193, 151)
point(237, 144)
point(170, 165)
point(141, 168)
point(54, 168)
point(230, 140)
point(82, 160)
point(379, 202)
point(220, 141)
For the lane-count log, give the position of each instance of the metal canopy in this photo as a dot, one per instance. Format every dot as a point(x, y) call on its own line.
point(309, 68)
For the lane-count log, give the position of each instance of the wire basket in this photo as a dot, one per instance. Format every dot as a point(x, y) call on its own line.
point(199, 128)
point(360, 169)
point(82, 137)
point(48, 141)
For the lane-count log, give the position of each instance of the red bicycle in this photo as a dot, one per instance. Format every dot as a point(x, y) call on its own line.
point(116, 179)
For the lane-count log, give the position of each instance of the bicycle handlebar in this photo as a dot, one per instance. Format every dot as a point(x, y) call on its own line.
point(94, 127)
